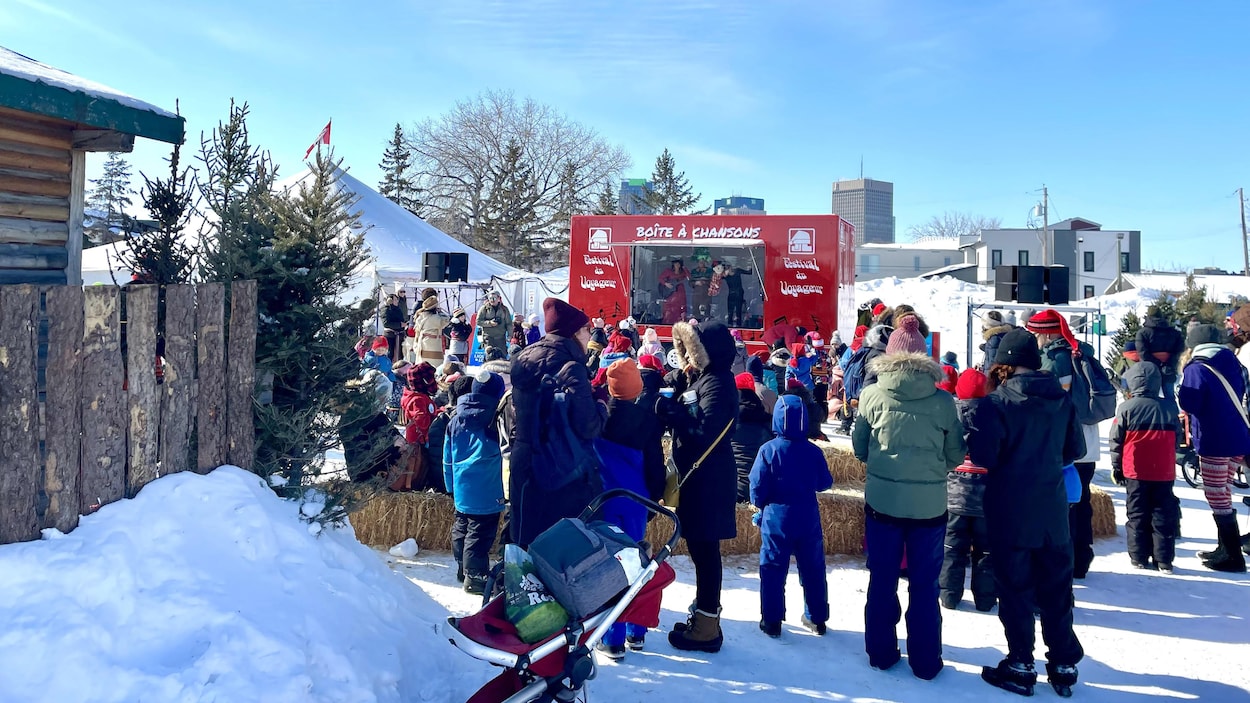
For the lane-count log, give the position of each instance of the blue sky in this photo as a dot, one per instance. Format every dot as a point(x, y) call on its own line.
point(1133, 113)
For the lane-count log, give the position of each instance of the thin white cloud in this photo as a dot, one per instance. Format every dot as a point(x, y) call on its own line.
point(94, 28)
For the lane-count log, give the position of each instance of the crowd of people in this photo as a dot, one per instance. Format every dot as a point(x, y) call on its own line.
point(987, 467)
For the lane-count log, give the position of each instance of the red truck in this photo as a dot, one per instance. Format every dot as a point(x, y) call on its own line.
point(751, 272)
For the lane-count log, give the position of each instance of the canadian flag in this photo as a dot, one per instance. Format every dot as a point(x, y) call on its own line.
point(323, 138)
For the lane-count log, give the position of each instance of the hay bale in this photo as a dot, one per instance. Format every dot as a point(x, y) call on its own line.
point(1104, 512)
point(843, 464)
point(841, 518)
point(391, 518)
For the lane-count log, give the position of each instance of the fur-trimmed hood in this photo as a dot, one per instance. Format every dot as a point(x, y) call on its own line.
point(689, 349)
point(907, 375)
point(503, 367)
point(878, 336)
point(986, 334)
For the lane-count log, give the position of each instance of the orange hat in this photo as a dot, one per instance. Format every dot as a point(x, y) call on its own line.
point(624, 380)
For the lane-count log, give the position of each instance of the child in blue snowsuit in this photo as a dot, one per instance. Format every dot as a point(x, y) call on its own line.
point(473, 471)
point(788, 473)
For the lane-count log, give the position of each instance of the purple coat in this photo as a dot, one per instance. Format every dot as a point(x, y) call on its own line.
point(1215, 423)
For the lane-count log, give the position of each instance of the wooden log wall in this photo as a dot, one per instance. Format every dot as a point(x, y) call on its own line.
point(38, 186)
point(110, 425)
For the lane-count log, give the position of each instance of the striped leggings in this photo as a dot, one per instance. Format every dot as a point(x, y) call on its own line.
point(1217, 478)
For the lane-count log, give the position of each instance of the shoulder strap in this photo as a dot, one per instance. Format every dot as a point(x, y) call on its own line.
point(711, 446)
point(1232, 395)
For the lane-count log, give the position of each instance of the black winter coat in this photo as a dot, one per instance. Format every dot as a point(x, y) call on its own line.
point(652, 381)
point(1024, 439)
point(965, 486)
point(708, 496)
point(1156, 336)
point(393, 317)
point(755, 427)
point(534, 509)
point(631, 424)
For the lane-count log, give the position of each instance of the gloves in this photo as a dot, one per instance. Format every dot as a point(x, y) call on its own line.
point(600, 393)
point(756, 517)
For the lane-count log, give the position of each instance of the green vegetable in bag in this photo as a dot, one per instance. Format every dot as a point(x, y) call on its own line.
point(527, 603)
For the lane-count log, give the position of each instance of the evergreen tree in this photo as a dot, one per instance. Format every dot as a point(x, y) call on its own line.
point(1193, 304)
point(110, 197)
point(669, 192)
point(301, 247)
point(1129, 326)
point(607, 202)
point(509, 218)
point(397, 182)
point(162, 256)
point(569, 203)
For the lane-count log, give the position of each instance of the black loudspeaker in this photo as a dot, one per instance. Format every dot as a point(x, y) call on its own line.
point(435, 266)
point(457, 266)
point(1057, 285)
point(1030, 284)
point(1005, 274)
point(1004, 290)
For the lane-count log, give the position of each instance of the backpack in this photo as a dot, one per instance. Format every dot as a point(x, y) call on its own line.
point(853, 374)
point(560, 456)
point(1093, 393)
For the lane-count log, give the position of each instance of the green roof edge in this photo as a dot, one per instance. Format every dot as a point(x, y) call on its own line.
point(99, 112)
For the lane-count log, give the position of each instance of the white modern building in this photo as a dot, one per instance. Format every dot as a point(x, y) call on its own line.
point(905, 260)
point(1094, 256)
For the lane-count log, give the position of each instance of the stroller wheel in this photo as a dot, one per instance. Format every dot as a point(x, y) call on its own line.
point(1190, 470)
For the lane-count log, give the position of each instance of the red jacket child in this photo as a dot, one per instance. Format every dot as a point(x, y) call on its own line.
point(1143, 438)
point(417, 403)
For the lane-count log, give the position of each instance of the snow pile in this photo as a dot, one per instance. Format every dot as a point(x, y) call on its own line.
point(211, 588)
point(942, 302)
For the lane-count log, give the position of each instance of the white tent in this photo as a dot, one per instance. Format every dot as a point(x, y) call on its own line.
point(397, 241)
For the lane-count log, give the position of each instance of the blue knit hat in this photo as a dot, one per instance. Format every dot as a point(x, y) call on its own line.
point(490, 384)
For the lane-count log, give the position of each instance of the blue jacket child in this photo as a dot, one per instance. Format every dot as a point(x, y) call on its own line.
point(473, 470)
point(788, 473)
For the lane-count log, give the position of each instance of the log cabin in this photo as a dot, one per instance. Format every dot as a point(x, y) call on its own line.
point(49, 120)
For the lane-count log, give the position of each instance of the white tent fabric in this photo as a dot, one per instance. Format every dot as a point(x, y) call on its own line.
point(397, 241)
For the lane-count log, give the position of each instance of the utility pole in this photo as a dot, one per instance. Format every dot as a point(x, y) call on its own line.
point(1045, 227)
point(1119, 259)
point(1245, 247)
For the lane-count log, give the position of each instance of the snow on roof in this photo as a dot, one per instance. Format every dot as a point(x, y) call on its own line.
point(948, 269)
point(1219, 288)
point(28, 69)
point(935, 244)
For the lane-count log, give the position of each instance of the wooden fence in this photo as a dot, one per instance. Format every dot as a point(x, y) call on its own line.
point(84, 423)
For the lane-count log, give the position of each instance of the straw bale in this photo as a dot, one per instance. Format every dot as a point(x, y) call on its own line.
point(843, 464)
point(1104, 512)
point(391, 518)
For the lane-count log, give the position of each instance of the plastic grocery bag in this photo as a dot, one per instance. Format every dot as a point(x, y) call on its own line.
point(527, 603)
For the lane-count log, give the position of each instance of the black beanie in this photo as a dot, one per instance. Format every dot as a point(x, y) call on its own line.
point(1019, 348)
point(1203, 334)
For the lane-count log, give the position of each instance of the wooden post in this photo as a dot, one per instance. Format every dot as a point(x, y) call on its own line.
point(77, 183)
point(19, 414)
point(211, 392)
point(178, 403)
point(63, 408)
point(103, 478)
point(241, 375)
point(142, 392)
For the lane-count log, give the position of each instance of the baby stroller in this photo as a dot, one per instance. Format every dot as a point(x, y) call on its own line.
point(1187, 460)
point(557, 668)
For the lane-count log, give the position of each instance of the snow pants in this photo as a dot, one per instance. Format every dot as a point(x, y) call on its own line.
point(886, 540)
point(1036, 578)
point(472, 536)
point(1081, 523)
point(967, 536)
point(808, 549)
point(1153, 521)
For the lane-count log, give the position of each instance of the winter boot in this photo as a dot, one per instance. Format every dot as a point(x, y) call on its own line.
point(817, 627)
point(1016, 677)
point(459, 572)
point(1062, 678)
point(1219, 553)
point(615, 652)
point(950, 599)
point(701, 634)
point(772, 629)
point(474, 584)
point(1245, 543)
point(636, 643)
point(681, 626)
point(1233, 560)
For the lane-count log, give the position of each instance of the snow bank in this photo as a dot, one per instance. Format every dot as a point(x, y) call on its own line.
point(211, 588)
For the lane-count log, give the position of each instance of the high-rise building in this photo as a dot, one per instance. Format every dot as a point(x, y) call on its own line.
point(869, 205)
point(738, 205)
point(629, 198)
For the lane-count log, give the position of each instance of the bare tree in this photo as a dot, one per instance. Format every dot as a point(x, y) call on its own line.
point(458, 154)
point(951, 225)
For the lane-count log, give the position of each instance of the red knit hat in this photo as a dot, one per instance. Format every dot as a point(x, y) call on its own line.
point(949, 378)
point(878, 309)
point(1050, 322)
point(379, 343)
point(745, 382)
point(792, 384)
point(651, 361)
point(971, 384)
point(562, 319)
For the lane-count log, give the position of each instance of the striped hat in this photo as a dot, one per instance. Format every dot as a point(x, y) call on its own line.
point(1052, 323)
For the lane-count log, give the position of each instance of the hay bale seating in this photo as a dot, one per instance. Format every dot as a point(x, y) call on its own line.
point(392, 518)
